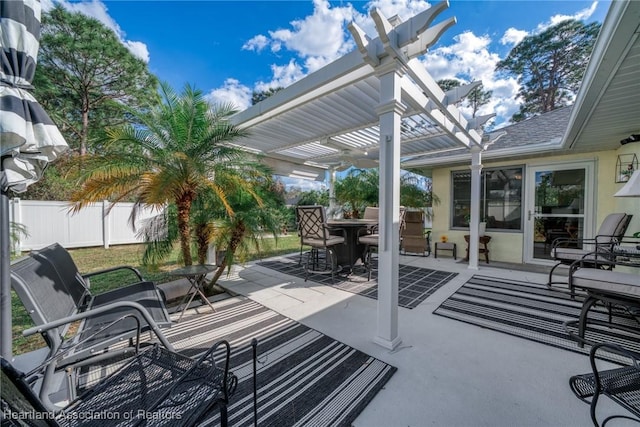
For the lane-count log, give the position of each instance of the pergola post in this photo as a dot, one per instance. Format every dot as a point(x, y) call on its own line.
point(333, 206)
point(390, 114)
point(474, 222)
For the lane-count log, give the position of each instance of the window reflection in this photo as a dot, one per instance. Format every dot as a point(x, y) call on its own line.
point(500, 198)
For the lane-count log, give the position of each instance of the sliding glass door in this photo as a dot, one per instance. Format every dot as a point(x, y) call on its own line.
point(559, 205)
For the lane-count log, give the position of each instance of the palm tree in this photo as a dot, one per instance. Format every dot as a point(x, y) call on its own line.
point(180, 151)
point(360, 189)
point(255, 214)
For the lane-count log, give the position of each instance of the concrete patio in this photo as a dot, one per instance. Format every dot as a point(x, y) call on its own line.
point(449, 373)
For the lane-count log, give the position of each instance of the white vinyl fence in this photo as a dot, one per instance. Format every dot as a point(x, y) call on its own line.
point(94, 225)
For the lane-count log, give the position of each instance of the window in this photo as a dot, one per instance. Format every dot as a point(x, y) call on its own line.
point(500, 198)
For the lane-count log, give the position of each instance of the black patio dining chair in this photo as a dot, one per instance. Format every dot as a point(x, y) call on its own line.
point(314, 232)
point(594, 253)
point(370, 237)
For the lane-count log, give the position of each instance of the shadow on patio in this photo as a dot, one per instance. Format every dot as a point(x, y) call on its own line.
point(480, 348)
point(510, 366)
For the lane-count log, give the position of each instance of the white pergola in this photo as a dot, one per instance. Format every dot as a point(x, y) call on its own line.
point(376, 106)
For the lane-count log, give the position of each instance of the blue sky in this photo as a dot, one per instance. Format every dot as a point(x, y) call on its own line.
point(228, 49)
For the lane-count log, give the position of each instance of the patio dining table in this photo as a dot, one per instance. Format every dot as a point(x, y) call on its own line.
point(352, 252)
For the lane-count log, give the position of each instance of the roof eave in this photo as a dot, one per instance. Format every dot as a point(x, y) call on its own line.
point(617, 34)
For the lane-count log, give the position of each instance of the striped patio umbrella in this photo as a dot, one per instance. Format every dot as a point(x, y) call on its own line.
point(29, 139)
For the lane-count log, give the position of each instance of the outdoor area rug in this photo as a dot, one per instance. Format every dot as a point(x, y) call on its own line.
point(532, 311)
point(415, 284)
point(304, 376)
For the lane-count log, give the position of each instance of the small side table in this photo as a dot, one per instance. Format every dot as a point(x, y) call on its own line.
point(195, 274)
point(484, 249)
point(444, 246)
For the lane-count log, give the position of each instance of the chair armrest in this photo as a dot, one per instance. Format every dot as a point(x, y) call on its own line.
point(112, 269)
point(204, 372)
point(612, 348)
point(328, 228)
point(563, 242)
point(51, 364)
point(134, 306)
point(373, 229)
point(617, 349)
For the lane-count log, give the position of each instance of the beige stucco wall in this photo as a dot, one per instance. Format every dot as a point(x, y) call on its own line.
point(507, 246)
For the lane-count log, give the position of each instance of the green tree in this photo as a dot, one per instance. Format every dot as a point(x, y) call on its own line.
point(477, 98)
point(474, 100)
point(314, 197)
point(262, 95)
point(447, 84)
point(359, 189)
point(550, 65)
point(54, 185)
point(179, 153)
point(416, 192)
point(254, 214)
point(86, 77)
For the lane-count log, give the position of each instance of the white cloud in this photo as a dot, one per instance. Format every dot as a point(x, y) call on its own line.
point(303, 184)
point(232, 92)
point(138, 49)
point(322, 37)
point(98, 10)
point(257, 43)
point(316, 40)
point(318, 35)
point(283, 76)
point(513, 36)
point(404, 9)
point(470, 58)
point(580, 15)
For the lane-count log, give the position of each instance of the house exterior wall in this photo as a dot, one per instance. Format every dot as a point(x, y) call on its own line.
point(507, 246)
point(630, 205)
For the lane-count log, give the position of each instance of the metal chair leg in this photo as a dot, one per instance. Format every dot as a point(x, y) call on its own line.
point(306, 270)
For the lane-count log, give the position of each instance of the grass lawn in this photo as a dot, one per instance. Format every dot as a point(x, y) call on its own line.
point(93, 259)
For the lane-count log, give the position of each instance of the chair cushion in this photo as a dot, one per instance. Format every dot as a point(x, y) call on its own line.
point(369, 239)
point(608, 282)
point(611, 227)
point(573, 254)
point(371, 213)
point(320, 243)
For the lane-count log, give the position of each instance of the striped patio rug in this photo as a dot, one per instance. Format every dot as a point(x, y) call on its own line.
point(415, 283)
point(532, 311)
point(304, 377)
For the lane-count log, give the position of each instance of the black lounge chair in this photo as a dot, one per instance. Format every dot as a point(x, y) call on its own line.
point(51, 288)
point(157, 387)
point(55, 295)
